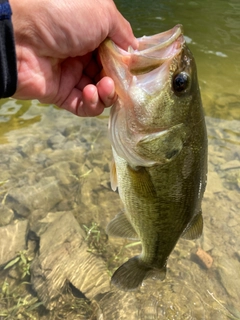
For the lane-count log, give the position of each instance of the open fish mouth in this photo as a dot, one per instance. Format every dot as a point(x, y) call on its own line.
point(153, 51)
point(140, 76)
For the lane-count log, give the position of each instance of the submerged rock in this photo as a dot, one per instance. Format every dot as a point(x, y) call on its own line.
point(6, 215)
point(25, 199)
point(229, 273)
point(60, 165)
point(63, 257)
point(12, 240)
point(155, 300)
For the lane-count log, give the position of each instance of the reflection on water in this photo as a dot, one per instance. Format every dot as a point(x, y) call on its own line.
point(54, 164)
point(12, 116)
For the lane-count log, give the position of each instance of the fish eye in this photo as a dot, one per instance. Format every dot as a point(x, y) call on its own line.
point(181, 82)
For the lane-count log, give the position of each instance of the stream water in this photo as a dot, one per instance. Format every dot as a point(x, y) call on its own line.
point(52, 161)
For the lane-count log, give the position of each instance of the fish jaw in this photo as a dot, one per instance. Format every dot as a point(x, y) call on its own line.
point(153, 51)
point(140, 76)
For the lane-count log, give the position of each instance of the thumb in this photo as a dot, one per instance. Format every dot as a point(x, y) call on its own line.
point(121, 33)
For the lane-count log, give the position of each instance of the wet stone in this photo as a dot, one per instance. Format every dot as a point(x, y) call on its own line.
point(229, 272)
point(5, 174)
point(27, 146)
point(232, 179)
point(76, 154)
point(230, 165)
point(71, 131)
point(69, 145)
point(63, 257)
point(56, 140)
point(206, 240)
point(12, 240)
point(232, 223)
point(117, 305)
point(214, 185)
point(14, 160)
point(45, 195)
point(59, 170)
point(6, 215)
point(40, 158)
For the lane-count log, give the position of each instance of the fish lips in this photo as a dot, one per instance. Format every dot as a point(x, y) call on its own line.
point(153, 51)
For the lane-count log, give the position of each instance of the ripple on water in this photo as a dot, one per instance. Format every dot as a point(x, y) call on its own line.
point(172, 300)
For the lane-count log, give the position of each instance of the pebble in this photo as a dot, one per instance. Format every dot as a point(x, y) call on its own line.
point(203, 258)
point(232, 223)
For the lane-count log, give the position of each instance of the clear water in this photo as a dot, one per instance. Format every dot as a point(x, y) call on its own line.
point(38, 142)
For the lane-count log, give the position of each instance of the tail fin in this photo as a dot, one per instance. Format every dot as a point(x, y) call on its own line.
point(130, 275)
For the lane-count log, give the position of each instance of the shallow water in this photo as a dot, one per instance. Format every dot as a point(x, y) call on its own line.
point(52, 161)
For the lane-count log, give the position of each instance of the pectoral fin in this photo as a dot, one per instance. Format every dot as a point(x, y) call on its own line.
point(113, 175)
point(195, 229)
point(142, 182)
point(120, 227)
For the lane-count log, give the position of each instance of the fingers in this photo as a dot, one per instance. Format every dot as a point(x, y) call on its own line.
point(96, 98)
point(92, 100)
point(121, 33)
point(91, 105)
point(106, 91)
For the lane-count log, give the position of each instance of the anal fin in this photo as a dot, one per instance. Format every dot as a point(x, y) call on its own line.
point(121, 227)
point(195, 229)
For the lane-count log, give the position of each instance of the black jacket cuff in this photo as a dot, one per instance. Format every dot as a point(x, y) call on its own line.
point(8, 63)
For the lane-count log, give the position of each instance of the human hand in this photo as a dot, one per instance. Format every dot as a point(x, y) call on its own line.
point(56, 44)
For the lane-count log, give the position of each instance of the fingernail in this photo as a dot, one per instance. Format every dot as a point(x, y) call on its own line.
point(112, 96)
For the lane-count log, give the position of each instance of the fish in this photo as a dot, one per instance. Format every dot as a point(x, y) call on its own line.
point(159, 142)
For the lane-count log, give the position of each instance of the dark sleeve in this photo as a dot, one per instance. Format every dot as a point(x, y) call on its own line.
point(8, 64)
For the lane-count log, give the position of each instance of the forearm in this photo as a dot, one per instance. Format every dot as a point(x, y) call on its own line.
point(8, 65)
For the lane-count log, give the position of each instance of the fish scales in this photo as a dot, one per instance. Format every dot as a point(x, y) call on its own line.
point(159, 143)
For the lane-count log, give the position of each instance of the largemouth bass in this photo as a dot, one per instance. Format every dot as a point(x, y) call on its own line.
point(159, 142)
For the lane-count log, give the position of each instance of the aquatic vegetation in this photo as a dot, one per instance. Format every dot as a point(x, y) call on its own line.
point(22, 262)
point(96, 238)
point(14, 304)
